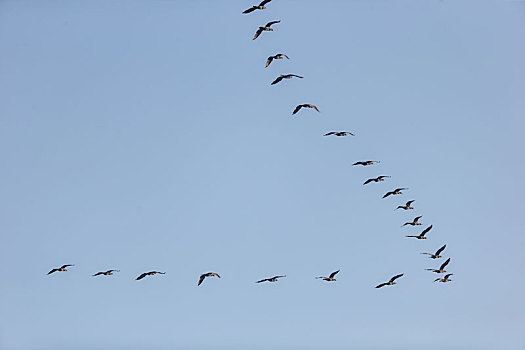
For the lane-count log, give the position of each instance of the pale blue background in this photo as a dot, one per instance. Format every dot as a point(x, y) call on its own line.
point(144, 135)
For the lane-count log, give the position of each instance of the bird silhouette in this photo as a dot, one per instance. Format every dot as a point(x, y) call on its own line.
point(209, 274)
point(61, 268)
point(422, 235)
point(391, 282)
point(266, 28)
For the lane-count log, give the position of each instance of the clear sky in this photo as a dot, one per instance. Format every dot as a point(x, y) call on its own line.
point(144, 135)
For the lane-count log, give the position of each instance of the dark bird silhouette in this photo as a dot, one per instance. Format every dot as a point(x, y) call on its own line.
point(339, 133)
point(406, 206)
point(306, 105)
point(61, 268)
point(441, 268)
point(331, 277)
point(444, 279)
point(209, 274)
point(272, 279)
point(366, 162)
point(285, 76)
point(266, 28)
point(377, 179)
point(414, 222)
point(279, 56)
point(394, 192)
point(436, 254)
point(106, 273)
point(422, 235)
point(151, 273)
point(391, 282)
point(257, 7)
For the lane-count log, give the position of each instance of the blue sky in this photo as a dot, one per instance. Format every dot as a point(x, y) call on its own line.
point(145, 135)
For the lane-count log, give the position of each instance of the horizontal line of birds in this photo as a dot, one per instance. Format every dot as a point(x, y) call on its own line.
point(408, 205)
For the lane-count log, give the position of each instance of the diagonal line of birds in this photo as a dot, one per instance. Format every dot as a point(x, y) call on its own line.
point(364, 163)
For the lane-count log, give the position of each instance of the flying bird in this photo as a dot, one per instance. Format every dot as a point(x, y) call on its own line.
point(61, 268)
point(441, 268)
point(209, 274)
point(406, 206)
point(366, 162)
point(106, 273)
point(422, 235)
point(377, 179)
point(436, 254)
point(273, 279)
point(391, 282)
point(285, 76)
point(394, 192)
point(414, 222)
point(444, 279)
point(257, 7)
point(298, 108)
point(339, 133)
point(151, 273)
point(279, 56)
point(331, 277)
point(266, 28)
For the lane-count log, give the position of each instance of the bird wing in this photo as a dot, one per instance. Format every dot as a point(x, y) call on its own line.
point(416, 219)
point(409, 202)
point(358, 163)
point(387, 194)
point(64, 266)
point(264, 280)
point(279, 78)
point(314, 107)
point(269, 24)
point(330, 133)
point(334, 273)
point(425, 231)
point(264, 2)
point(297, 109)
point(368, 181)
point(282, 54)
point(279, 276)
point(396, 277)
point(98, 274)
point(413, 236)
point(448, 275)
point(382, 176)
point(201, 279)
point(270, 59)
point(216, 274)
point(381, 285)
point(50, 272)
point(257, 33)
point(444, 264)
point(441, 249)
point(251, 9)
point(406, 223)
point(142, 276)
point(297, 76)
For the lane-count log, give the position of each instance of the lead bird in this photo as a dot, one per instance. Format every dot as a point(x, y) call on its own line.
point(444, 279)
point(331, 277)
point(394, 192)
point(106, 273)
point(422, 235)
point(339, 133)
point(285, 76)
point(407, 206)
point(377, 179)
point(441, 268)
point(366, 162)
point(391, 282)
point(279, 56)
point(257, 7)
point(61, 268)
point(209, 274)
point(266, 28)
point(306, 105)
point(151, 273)
point(436, 254)
point(414, 222)
point(272, 279)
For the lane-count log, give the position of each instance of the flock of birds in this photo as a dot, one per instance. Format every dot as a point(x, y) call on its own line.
point(331, 278)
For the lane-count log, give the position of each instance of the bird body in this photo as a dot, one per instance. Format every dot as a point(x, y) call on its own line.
point(279, 56)
point(331, 277)
point(422, 235)
point(266, 28)
point(306, 105)
point(394, 192)
point(339, 133)
point(436, 254)
point(377, 179)
point(106, 273)
point(272, 279)
point(407, 206)
point(61, 268)
point(415, 222)
point(285, 76)
point(444, 279)
point(391, 282)
point(366, 162)
point(209, 274)
point(151, 273)
point(441, 268)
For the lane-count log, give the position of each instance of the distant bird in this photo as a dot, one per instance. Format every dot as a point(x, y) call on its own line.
point(366, 162)
point(441, 268)
point(209, 274)
point(331, 277)
point(422, 235)
point(394, 192)
point(391, 282)
point(414, 222)
point(106, 273)
point(61, 268)
point(444, 279)
point(272, 279)
point(257, 7)
point(377, 179)
point(339, 133)
point(406, 206)
point(298, 108)
point(436, 254)
point(266, 28)
point(151, 273)
point(285, 76)
point(279, 56)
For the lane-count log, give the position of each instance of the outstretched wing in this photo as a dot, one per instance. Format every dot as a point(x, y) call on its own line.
point(444, 264)
point(297, 76)
point(409, 203)
point(334, 273)
point(264, 280)
point(396, 277)
point(368, 181)
point(448, 275)
point(425, 231)
point(441, 249)
point(201, 279)
point(64, 266)
point(251, 9)
point(269, 24)
point(257, 33)
point(279, 78)
point(264, 2)
point(416, 219)
point(387, 194)
point(98, 274)
point(314, 107)
point(330, 133)
point(381, 285)
point(142, 276)
point(297, 109)
point(270, 59)
point(50, 272)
